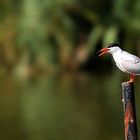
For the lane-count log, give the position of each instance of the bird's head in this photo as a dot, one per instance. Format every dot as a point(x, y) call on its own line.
point(111, 48)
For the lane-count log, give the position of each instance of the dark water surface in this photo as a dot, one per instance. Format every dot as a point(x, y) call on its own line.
point(66, 106)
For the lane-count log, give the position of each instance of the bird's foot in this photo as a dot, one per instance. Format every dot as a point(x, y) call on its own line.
point(132, 79)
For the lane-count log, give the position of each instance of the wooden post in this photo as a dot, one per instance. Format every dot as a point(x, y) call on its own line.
point(129, 111)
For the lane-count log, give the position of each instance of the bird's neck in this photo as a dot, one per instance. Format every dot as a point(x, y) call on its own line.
point(116, 56)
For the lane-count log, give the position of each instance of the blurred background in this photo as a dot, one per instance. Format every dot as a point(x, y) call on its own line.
point(53, 86)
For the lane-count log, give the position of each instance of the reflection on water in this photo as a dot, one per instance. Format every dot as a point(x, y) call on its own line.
point(68, 106)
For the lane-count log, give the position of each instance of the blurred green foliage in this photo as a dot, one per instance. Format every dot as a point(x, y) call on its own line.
point(38, 36)
point(64, 33)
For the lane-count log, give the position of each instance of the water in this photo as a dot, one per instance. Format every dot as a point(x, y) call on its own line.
point(66, 106)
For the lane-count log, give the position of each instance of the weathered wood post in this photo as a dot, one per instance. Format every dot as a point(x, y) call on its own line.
point(129, 111)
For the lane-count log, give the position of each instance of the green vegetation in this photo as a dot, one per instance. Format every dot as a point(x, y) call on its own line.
point(64, 33)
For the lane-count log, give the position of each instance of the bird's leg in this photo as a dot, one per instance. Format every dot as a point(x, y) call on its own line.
point(132, 78)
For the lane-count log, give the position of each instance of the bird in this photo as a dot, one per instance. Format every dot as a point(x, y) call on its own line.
point(126, 62)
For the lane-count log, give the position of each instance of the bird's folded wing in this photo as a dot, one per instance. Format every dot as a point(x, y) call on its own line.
point(127, 57)
point(131, 67)
point(130, 62)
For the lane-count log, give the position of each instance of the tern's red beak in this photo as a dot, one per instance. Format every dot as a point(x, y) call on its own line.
point(103, 51)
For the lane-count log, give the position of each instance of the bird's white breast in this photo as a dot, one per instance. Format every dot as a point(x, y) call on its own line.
point(118, 61)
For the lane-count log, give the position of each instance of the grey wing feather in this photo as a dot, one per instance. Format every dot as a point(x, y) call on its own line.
point(131, 63)
point(130, 58)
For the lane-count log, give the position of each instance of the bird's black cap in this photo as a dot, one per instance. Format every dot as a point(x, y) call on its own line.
point(113, 45)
